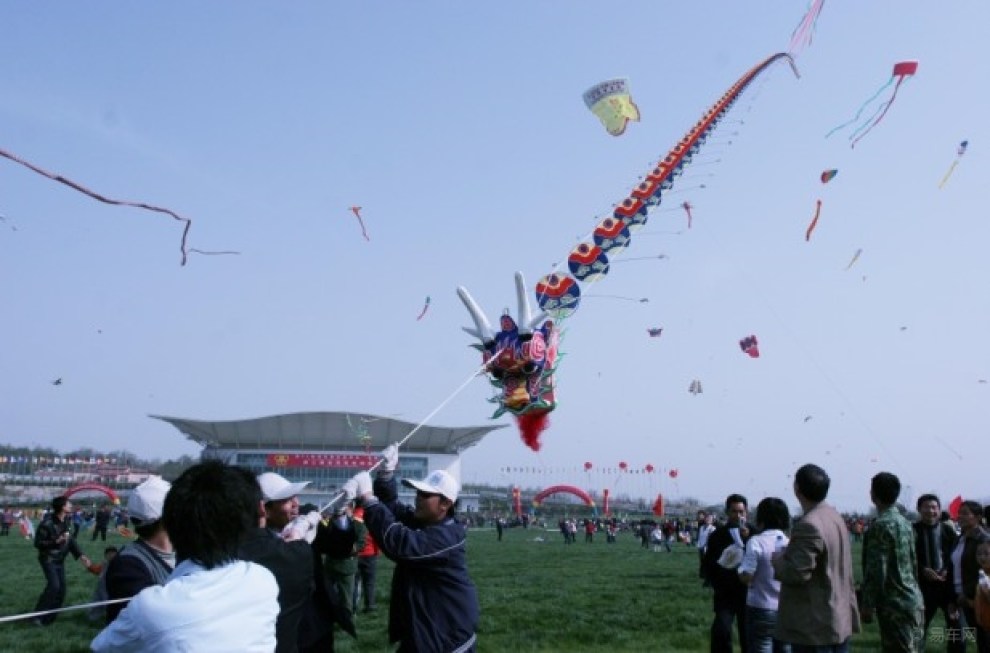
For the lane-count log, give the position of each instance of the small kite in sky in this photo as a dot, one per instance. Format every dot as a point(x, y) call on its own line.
point(612, 103)
point(357, 213)
point(57, 381)
point(814, 221)
point(854, 258)
point(959, 152)
point(750, 345)
point(655, 333)
point(805, 30)
point(106, 200)
point(902, 71)
point(807, 418)
point(695, 387)
point(426, 307)
point(687, 209)
point(829, 175)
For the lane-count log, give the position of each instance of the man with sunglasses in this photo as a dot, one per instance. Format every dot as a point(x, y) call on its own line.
point(433, 603)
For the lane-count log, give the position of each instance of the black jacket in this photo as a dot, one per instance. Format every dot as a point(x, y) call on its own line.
point(46, 536)
point(729, 590)
point(292, 565)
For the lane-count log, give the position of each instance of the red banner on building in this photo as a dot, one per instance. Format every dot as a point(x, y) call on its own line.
point(321, 460)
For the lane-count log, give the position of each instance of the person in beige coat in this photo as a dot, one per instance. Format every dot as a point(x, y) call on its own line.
point(817, 611)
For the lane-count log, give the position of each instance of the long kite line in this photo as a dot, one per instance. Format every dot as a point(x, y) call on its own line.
point(107, 200)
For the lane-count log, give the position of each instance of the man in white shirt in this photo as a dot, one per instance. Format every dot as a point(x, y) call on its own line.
point(212, 602)
point(705, 528)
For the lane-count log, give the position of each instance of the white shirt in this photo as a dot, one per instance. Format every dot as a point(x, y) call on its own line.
point(703, 532)
point(229, 608)
point(764, 591)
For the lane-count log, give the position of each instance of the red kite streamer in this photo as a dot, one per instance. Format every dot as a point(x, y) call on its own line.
point(106, 200)
point(687, 209)
point(357, 213)
point(814, 221)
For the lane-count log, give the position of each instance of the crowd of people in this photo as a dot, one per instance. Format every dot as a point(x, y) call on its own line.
point(788, 586)
point(225, 560)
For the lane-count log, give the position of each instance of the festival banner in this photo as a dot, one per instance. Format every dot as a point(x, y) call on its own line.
point(321, 460)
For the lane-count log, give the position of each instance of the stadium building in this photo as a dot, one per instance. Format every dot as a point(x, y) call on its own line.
point(326, 448)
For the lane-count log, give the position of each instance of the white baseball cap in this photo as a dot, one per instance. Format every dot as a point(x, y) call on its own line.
point(148, 499)
point(275, 487)
point(438, 482)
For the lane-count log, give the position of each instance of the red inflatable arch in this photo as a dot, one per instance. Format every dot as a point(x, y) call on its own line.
point(83, 487)
point(570, 489)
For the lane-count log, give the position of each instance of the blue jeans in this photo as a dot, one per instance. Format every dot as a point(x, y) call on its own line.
point(53, 596)
point(759, 628)
point(829, 648)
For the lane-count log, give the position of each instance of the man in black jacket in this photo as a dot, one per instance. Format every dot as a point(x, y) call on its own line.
point(730, 592)
point(934, 541)
point(54, 542)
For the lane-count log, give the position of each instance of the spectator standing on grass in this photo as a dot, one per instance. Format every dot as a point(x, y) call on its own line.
point(934, 541)
point(102, 521)
point(6, 521)
point(817, 612)
point(964, 569)
point(705, 528)
point(364, 580)
point(54, 542)
point(724, 553)
point(287, 554)
point(890, 586)
point(433, 603)
point(149, 560)
point(773, 519)
point(213, 602)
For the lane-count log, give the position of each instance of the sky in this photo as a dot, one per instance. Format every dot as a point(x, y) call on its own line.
point(460, 130)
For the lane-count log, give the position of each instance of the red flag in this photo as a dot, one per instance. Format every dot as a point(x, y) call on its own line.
point(658, 506)
point(954, 506)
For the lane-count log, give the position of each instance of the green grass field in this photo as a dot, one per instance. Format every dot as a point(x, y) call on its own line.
point(535, 596)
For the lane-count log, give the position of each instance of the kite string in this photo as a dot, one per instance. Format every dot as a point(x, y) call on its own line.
point(477, 372)
point(754, 290)
point(81, 606)
point(105, 200)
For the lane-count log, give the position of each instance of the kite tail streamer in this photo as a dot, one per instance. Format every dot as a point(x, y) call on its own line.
point(885, 106)
point(814, 221)
point(106, 200)
point(806, 28)
point(531, 425)
point(948, 174)
point(862, 107)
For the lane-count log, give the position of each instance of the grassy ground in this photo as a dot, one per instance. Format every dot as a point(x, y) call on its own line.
point(535, 596)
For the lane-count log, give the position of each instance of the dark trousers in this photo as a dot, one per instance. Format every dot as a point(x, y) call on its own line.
point(935, 601)
point(53, 595)
point(827, 648)
point(100, 530)
point(721, 632)
point(364, 582)
point(982, 636)
point(4, 528)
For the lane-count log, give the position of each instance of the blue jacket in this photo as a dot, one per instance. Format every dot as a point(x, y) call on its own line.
point(434, 605)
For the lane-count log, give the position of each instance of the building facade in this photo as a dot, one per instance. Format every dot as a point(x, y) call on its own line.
point(327, 448)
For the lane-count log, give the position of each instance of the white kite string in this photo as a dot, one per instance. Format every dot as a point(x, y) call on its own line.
point(96, 604)
point(475, 373)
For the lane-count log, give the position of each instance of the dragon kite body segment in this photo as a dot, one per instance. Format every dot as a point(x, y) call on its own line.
point(521, 358)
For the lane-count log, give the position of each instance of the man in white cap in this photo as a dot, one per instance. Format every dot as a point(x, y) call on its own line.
point(149, 560)
point(433, 603)
point(291, 562)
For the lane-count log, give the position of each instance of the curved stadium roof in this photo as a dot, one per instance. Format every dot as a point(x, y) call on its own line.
point(326, 430)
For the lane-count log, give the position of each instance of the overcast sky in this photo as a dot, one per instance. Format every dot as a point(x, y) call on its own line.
point(460, 130)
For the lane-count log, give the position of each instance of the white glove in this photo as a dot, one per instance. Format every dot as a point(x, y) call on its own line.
point(390, 458)
point(362, 483)
point(302, 527)
point(350, 488)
